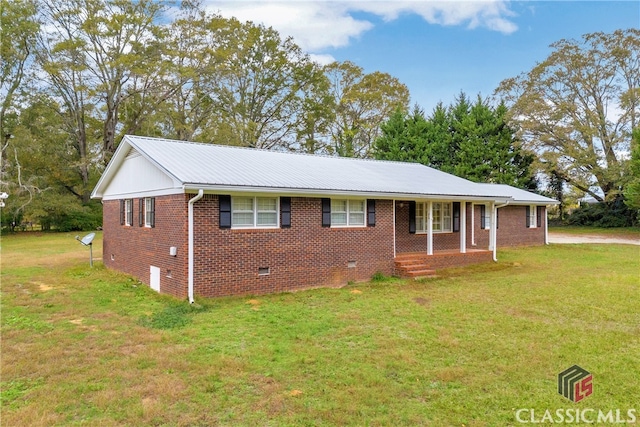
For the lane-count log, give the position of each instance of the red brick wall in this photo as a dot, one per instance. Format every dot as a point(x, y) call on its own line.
point(304, 256)
point(134, 249)
point(512, 229)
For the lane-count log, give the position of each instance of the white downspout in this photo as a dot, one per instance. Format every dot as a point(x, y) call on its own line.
point(430, 228)
point(494, 228)
point(190, 250)
point(394, 228)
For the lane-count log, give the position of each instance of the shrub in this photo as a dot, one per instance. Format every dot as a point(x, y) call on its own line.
point(610, 214)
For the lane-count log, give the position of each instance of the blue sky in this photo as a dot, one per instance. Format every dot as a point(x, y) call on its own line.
point(436, 48)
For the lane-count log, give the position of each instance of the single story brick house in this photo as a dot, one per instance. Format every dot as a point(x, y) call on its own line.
point(193, 219)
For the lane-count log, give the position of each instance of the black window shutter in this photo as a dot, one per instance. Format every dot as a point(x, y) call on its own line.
point(141, 213)
point(528, 217)
point(483, 217)
point(326, 212)
point(456, 216)
point(539, 216)
point(497, 218)
point(371, 212)
point(153, 212)
point(285, 212)
point(121, 212)
point(225, 211)
point(412, 217)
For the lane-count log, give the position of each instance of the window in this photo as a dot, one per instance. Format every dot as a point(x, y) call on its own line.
point(532, 220)
point(149, 212)
point(441, 217)
point(128, 212)
point(485, 217)
point(347, 213)
point(254, 212)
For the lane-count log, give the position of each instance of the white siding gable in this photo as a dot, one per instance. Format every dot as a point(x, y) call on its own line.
point(138, 177)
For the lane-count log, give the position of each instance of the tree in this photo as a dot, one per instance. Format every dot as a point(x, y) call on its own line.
point(632, 190)
point(469, 140)
point(260, 79)
point(362, 103)
point(91, 52)
point(577, 108)
point(18, 31)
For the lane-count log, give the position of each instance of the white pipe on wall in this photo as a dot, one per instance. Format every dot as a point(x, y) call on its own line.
point(191, 202)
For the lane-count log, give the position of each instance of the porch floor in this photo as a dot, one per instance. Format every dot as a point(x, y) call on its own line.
point(419, 264)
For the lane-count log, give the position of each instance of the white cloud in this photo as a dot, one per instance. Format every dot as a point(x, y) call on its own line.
point(318, 25)
point(322, 58)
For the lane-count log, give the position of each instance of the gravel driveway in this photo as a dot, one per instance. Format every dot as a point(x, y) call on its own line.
point(590, 238)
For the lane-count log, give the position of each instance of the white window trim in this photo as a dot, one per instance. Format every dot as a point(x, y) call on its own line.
point(487, 217)
point(255, 213)
point(147, 210)
point(426, 219)
point(348, 212)
point(128, 212)
point(533, 216)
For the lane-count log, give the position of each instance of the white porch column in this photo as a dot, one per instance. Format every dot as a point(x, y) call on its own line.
point(463, 227)
point(473, 224)
point(430, 228)
point(493, 231)
point(546, 227)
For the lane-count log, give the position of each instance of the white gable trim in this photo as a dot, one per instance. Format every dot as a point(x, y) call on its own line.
point(132, 174)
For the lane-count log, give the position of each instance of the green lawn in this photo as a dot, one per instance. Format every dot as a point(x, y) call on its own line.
point(85, 346)
point(624, 232)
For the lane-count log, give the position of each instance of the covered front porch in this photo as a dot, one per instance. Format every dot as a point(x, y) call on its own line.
point(436, 234)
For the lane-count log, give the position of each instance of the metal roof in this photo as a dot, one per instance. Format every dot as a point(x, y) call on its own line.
point(518, 195)
point(209, 166)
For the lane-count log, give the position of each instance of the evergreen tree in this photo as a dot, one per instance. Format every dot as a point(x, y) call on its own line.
point(470, 140)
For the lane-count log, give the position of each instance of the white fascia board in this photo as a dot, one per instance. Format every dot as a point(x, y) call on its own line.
point(305, 192)
point(112, 167)
point(532, 202)
point(140, 194)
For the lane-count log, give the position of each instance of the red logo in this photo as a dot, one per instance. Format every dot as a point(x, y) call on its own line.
point(575, 383)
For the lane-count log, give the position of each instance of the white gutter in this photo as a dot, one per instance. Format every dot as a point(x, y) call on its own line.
point(310, 192)
point(494, 228)
point(190, 250)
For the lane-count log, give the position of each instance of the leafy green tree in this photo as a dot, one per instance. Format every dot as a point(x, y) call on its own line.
point(91, 52)
point(632, 190)
point(577, 108)
point(18, 31)
point(363, 102)
point(260, 79)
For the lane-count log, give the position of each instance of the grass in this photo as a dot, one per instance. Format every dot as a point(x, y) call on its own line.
point(84, 346)
point(628, 232)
